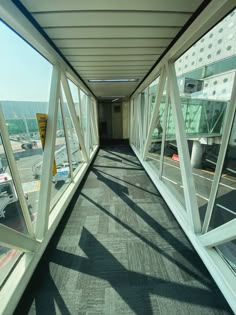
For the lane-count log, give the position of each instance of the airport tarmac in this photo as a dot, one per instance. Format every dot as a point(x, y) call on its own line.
point(203, 179)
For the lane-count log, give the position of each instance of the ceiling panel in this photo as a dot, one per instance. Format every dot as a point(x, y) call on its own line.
point(114, 58)
point(112, 39)
point(117, 63)
point(111, 51)
point(119, 18)
point(138, 5)
point(112, 32)
point(117, 43)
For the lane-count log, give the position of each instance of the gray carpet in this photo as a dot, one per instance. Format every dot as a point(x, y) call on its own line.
point(119, 250)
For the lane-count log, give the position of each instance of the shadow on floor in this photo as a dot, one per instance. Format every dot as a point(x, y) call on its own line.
point(47, 295)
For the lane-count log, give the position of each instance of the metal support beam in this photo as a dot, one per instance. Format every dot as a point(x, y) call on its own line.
point(66, 131)
point(230, 114)
point(220, 235)
point(12, 239)
point(15, 174)
point(160, 89)
point(164, 129)
point(185, 166)
point(48, 157)
point(73, 114)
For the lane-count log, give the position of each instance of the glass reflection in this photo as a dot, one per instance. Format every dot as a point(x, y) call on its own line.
point(8, 258)
point(62, 178)
point(225, 207)
point(205, 79)
point(171, 175)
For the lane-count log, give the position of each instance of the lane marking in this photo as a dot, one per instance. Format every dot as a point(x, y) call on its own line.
point(170, 180)
point(227, 209)
point(225, 185)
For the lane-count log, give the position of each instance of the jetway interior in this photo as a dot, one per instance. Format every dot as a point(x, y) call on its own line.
point(117, 128)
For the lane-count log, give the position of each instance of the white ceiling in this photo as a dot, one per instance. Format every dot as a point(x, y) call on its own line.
point(112, 39)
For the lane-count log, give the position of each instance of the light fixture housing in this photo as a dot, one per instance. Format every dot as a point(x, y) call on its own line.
point(112, 80)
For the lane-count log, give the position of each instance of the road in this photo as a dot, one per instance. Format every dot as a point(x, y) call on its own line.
point(226, 196)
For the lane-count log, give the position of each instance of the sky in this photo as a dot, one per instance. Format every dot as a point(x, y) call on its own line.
point(24, 74)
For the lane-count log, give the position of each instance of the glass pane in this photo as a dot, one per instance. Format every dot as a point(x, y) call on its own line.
point(229, 253)
point(225, 206)
point(10, 210)
point(205, 77)
point(154, 151)
point(144, 114)
point(93, 133)
point(136, 124)
point(24, 92)
point(171, 175)
point(8, 258)
point(74, 145)
point(153, 88)
point(75, 96)
point(84, 99)
point(62, 178)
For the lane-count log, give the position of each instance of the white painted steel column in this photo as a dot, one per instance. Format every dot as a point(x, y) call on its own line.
point(13, 239)
point(220, 235)
point(164, 129)
point(140, 124)
point(48, 156)
point(96, 120)
point(68, 146)
point(160, 89)
point(88, 127)
point(147, 113)
point(15, 174)
point(93, 122)
point(92, 125)
point(144, 127)
point(185, 166)
point(220, 162)
point(79, 104)
point(131, 137)
point(74, 118)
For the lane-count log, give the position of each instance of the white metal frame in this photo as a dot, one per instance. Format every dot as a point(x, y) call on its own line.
point(184, 158)
point(159, 94)
point(15, 174)
point(12, 239)
point(46, 222)
point(219, 166)
point(190, 221)
point(48, 157)
point(164, 128)
point(74, 118)
point(68, 147)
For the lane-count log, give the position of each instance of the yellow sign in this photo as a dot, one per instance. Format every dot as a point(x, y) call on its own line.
point(42, 124)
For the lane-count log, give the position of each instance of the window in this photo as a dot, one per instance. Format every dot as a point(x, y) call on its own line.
point(23, 94)
point(220, 66)
point(62, 177)
point(204, 116)
point(154, 150)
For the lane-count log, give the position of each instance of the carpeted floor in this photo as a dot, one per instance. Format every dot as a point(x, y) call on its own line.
point(119, 250)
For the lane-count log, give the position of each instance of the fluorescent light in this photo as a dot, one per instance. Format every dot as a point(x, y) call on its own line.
point(115, 99)
point(113, 96)
point(112, 80)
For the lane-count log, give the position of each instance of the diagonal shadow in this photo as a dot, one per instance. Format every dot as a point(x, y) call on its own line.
point(123, 158)
point(149, 243)
point(119, 167)
point(156, 226)
point(45, 300)
point(122, 180)
point(103, 265)
point(114, 159)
